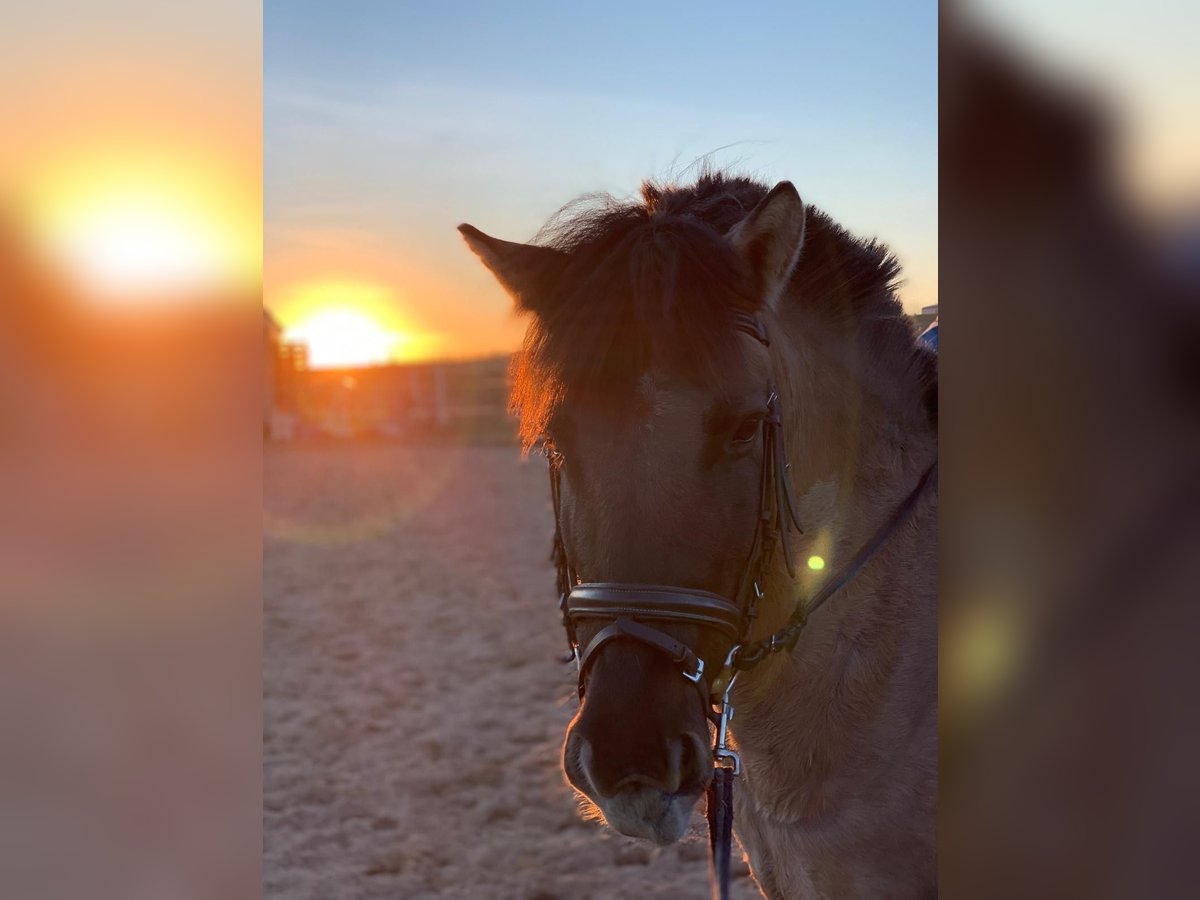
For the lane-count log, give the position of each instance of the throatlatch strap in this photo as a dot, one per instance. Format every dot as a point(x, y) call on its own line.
point(753, 652)
point(720, 830)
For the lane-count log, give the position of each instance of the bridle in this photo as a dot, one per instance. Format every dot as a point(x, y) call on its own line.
point(633, 610)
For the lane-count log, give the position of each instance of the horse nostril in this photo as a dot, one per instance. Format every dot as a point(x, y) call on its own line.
point(677, 766)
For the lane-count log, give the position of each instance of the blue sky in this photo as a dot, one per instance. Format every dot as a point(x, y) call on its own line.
point(387, 124)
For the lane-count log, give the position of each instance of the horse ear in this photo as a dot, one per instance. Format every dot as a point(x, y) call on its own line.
point(770, 238)
point(525, 270)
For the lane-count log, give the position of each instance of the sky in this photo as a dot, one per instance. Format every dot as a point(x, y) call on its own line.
point(386, 124)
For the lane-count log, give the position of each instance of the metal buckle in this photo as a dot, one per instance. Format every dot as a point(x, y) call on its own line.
point(727, 671)
point(721, 752)
point(694, 677)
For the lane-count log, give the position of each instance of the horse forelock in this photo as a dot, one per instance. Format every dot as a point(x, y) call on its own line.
point(654, 282)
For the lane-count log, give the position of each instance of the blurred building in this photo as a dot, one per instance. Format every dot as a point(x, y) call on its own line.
point(283, 365)
point(272, 340)
point(397, 400)
point(926, 317)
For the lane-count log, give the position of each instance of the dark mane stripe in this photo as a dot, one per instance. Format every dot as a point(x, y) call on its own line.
point(656, 281)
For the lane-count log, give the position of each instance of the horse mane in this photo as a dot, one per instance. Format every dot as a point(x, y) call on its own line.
point(654, 279)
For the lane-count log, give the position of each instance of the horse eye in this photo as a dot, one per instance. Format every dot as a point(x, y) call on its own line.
point(747, 431)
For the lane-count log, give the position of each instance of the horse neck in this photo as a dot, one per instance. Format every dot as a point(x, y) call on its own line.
point(857, 430)
point(797, 717)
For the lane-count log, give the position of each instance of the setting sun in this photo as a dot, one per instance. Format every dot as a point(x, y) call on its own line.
point(343, 337)
point(346, 323)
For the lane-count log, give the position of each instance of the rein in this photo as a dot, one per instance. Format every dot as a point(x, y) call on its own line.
point(631, 610)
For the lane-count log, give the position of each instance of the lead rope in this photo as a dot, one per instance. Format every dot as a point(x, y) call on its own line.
point(719, 813)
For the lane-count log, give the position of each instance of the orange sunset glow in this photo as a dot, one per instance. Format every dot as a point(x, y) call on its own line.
point(348, 323)
point(137, 189)
point(134, 226)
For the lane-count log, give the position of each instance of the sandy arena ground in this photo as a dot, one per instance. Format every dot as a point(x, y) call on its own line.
point(414, 699)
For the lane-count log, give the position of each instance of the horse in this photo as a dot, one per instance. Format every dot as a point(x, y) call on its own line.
point(671, 337)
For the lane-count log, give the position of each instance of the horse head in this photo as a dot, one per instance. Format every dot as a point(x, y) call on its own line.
point(636, 377)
